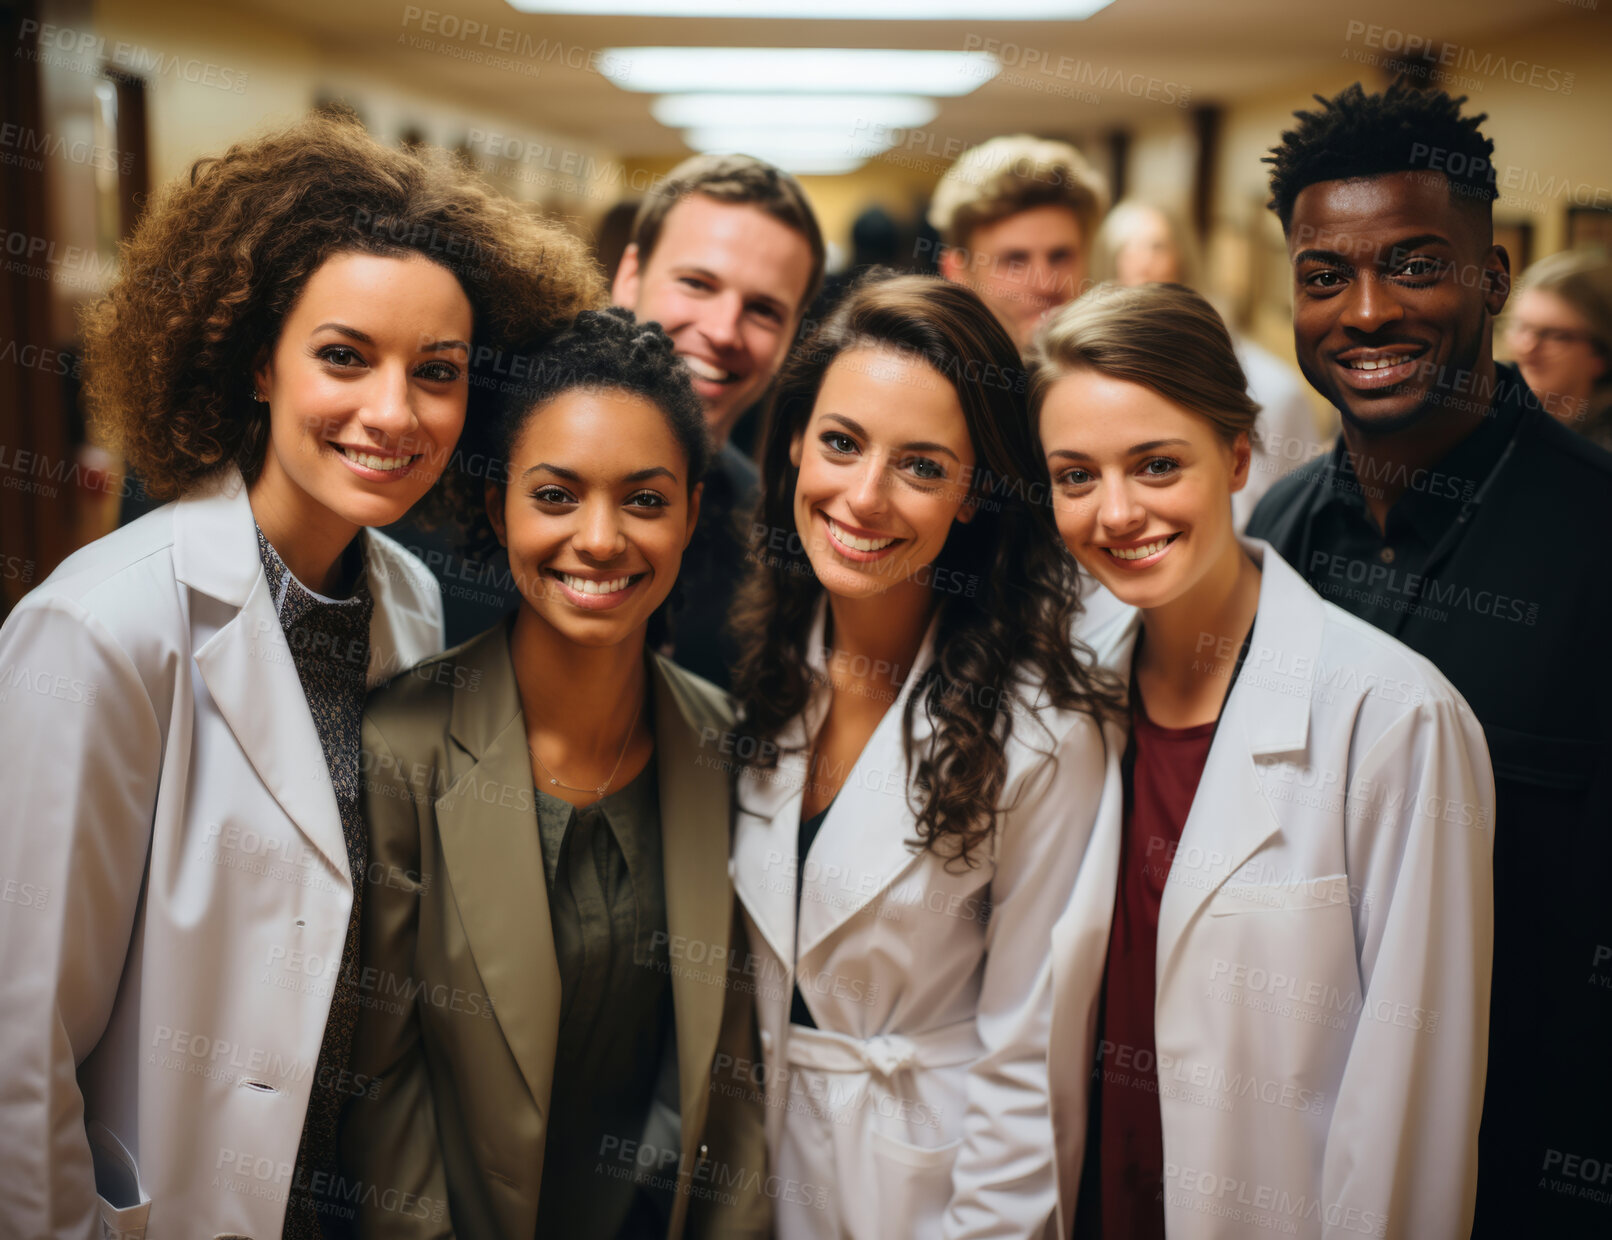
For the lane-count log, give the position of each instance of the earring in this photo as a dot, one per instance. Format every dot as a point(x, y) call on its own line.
point(259, 397)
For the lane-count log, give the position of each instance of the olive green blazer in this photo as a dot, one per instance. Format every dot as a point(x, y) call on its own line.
point(454, 1054)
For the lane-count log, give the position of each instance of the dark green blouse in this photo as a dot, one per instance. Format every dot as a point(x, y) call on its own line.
point(607, 905)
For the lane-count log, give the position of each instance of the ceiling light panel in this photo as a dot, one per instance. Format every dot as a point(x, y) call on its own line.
point(796, 70)
point(872, 10)
point(757, 140)
point(850, 112)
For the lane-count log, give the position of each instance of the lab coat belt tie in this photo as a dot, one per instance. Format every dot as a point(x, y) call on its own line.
point(885, 1053)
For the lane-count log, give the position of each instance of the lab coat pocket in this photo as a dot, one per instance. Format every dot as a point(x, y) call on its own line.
point(1294, 895)
point(124, 1204)
point(912, 1181)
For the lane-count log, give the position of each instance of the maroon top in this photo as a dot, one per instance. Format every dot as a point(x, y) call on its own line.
point(1123, 1195)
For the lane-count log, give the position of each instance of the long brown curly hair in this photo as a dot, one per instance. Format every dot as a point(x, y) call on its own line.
point(220, 258)
point(995, 645)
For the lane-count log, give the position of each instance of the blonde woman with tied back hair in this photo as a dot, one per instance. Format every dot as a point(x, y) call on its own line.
point(1279, 1020)
point(1142, 243)
point(299, 331)
point(1559, 328)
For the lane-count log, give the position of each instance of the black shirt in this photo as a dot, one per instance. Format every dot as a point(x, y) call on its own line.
point(799, 1013)
point(1381, 575)
point(713, 566)
point(1501, 574)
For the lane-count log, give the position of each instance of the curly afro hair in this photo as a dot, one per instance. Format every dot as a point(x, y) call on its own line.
point(220, 258)
point(603, 350)
point(1403, 129)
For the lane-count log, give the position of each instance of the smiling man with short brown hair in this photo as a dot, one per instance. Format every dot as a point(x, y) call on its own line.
point(725, 255)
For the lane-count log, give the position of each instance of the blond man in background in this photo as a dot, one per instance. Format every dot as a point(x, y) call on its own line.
point(1017, 216)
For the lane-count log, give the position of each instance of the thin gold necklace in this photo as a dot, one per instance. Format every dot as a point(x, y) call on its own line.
point(601, 789)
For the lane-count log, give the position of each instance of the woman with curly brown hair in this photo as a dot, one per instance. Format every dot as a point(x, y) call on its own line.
point(297, 336)
point(908, 673)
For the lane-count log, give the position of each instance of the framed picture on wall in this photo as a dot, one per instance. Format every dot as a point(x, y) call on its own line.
point(1589, 228)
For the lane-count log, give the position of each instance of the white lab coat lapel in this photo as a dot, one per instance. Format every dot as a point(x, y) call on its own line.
point(1259, 719)
point(401, 634)
point(247, 665)
point(858, 824)
point(767, 806)
point(246, 662)
point(870, 820)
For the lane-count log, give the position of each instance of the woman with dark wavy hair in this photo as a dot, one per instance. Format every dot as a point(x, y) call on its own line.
point(296, 338)
point(924, 766)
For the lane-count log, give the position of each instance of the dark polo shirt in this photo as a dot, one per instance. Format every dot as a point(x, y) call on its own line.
point(713, 566)
point(1496, 564)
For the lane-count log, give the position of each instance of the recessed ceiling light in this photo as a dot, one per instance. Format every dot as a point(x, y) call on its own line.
point(760, 139)
point(852, 112)
point(875, 10)
point(671, 70)
point(804, 152)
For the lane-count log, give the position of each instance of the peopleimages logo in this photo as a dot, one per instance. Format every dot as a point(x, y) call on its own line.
point(1263, 1205)
point(83, 51)
point(1452, 57)
point(1021, 60)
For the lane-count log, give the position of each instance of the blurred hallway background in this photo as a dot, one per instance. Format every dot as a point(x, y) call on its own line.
point(575, 113)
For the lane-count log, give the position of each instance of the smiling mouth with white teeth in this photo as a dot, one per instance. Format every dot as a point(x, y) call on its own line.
point(371, 460)
point(1369, 360)
point(702, 369)
point(587, 585)
point(845, 538)
point(1142, 552)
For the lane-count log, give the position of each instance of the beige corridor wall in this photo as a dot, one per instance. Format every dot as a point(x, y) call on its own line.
point(215, 74)
point(1552, 147)
point(1552, 151)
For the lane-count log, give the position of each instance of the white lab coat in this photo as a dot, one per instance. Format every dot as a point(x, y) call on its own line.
point(919, 1107)
point(1324, 944)
point(163, 995)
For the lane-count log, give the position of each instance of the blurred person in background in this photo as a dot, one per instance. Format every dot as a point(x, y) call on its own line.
point(1017, 216)
point(875, 242)
point(726, 255)
point(1457, 515)
point(293, 344)
point(1140, 243)
point(1559, 330)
